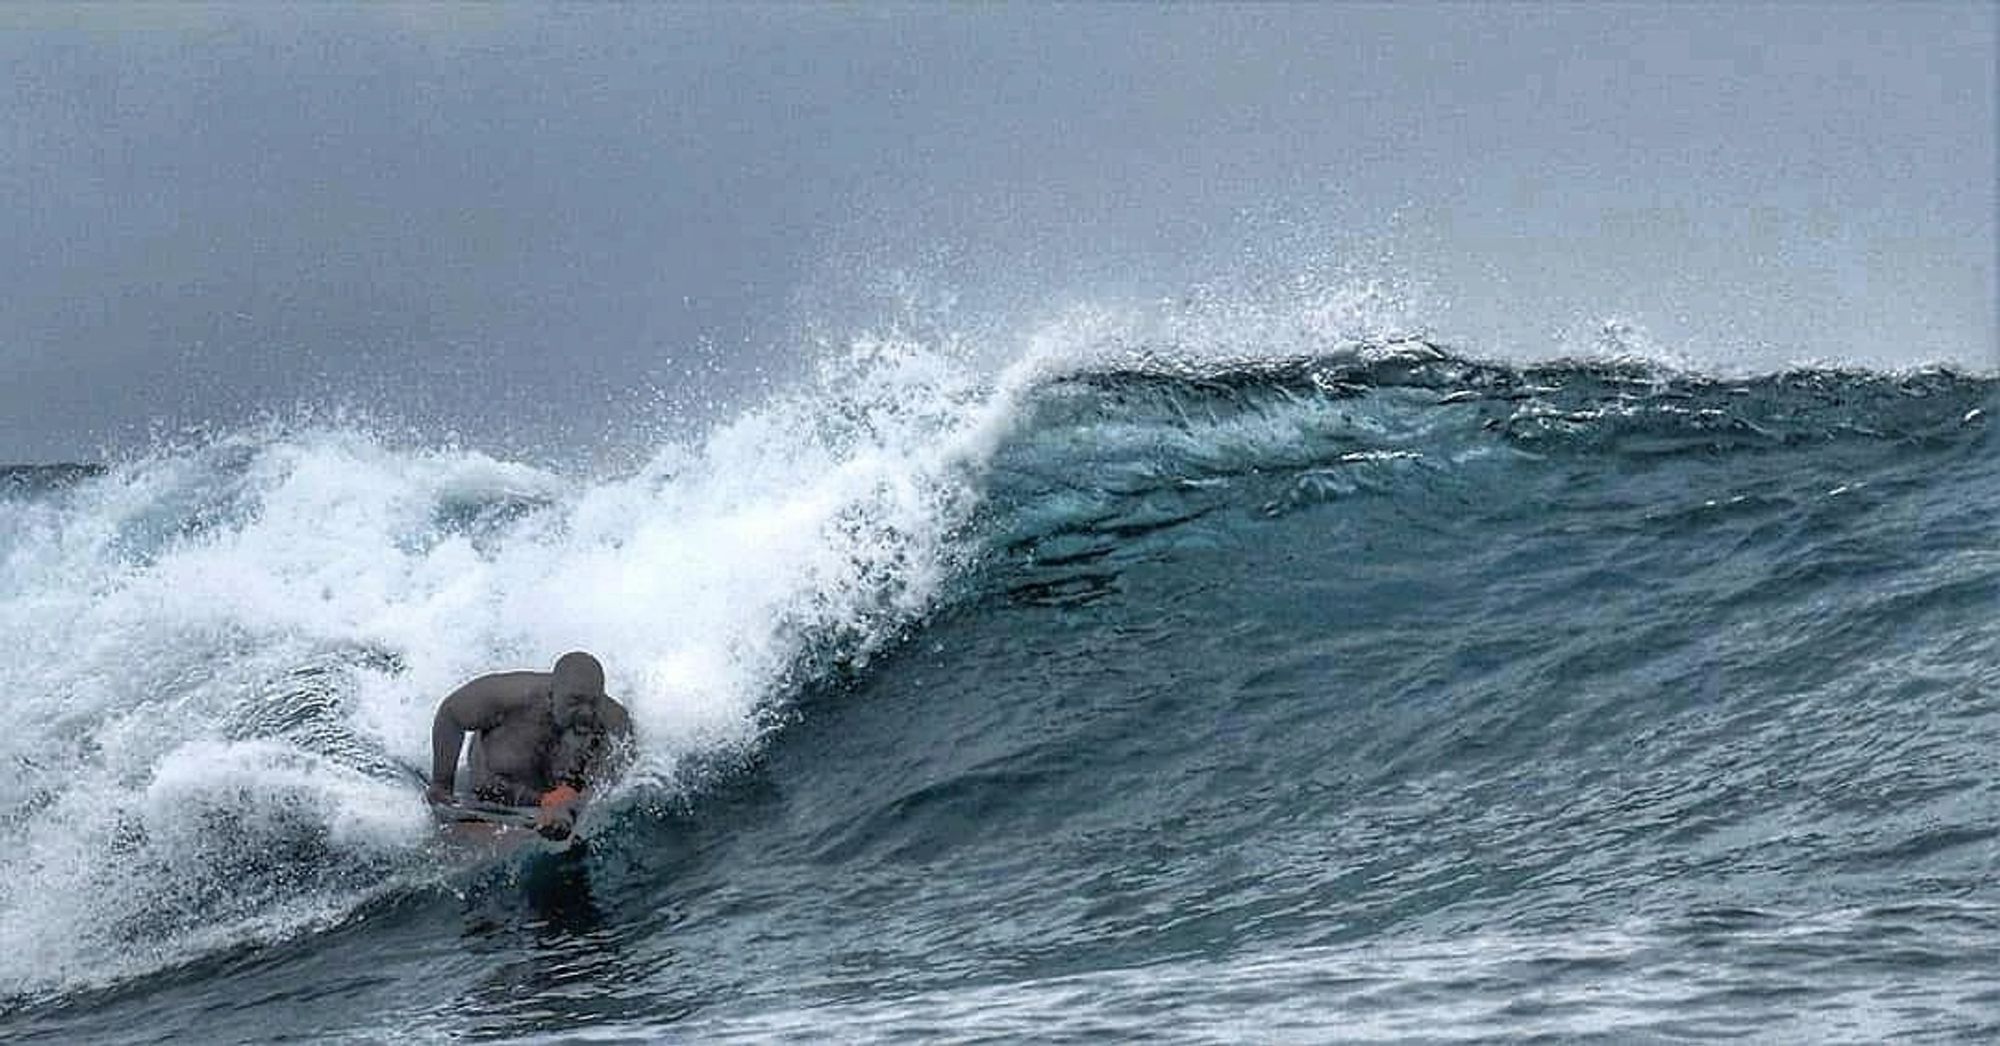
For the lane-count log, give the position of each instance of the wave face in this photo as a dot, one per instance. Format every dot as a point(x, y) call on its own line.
point(1379, 695)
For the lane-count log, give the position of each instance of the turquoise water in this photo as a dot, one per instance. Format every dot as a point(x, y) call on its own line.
point(1385, 695)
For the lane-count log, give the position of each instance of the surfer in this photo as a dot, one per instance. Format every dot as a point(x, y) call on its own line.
point(540, 739)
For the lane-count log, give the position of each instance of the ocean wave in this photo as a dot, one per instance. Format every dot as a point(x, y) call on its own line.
point(256, 628)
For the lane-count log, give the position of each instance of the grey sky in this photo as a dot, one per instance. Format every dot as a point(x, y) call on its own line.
point(522, 225)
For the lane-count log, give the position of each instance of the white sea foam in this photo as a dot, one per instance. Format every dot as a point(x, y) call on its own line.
point(249, 631)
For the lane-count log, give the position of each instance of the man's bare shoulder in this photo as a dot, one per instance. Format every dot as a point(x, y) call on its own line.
point(509, 687)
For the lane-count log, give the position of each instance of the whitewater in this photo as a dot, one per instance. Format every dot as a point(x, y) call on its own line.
point(1218, 692)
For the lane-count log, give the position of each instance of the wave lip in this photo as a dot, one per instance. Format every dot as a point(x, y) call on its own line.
point(1130, 448)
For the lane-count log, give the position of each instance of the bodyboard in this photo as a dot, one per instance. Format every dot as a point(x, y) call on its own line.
point(488, 830)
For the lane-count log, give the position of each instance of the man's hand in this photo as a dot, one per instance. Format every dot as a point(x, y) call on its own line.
point(561, 796)
point(556, 812)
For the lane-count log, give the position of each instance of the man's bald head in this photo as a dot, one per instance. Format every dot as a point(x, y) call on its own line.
point(578, 672)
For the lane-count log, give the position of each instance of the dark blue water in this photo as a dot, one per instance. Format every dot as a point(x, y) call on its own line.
point(1384, 696)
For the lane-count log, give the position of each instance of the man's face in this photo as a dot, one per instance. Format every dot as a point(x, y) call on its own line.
point(574, 709)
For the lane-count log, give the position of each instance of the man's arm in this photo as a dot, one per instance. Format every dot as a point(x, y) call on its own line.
point(478, 705)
